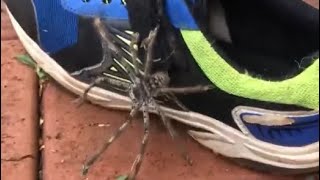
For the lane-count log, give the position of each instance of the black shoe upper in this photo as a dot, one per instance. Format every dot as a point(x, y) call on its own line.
point(267, 39)
point(262, 44)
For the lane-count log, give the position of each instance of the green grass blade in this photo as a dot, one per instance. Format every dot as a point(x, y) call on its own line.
point(122, 177)
point(27, 60)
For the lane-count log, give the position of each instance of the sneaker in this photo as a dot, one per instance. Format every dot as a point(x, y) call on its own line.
point(263, 62)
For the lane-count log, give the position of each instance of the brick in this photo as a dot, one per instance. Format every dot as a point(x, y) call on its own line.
point(19, 104)
point(71, 135)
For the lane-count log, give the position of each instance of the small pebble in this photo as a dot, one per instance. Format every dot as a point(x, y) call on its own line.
point(103, 125)
point(41, 121)
point(54, 151)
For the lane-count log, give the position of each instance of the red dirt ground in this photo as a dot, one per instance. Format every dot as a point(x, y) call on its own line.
point(71, 134)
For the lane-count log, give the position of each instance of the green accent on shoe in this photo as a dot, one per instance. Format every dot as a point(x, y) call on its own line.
point(302, 90)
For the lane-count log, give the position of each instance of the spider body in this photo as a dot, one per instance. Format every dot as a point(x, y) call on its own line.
point(144, 89)
point(159, 79)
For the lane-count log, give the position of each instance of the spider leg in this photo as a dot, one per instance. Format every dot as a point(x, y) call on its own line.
point(84, 97)
point(184, 90)
point(105, 35)
point(138, 161)
point(134, 50)
point(173, 133)
point(174, 98)
point(149, 45)
point(121, 33)
point(125, 49)
point(105, 146)
point(106, 59)
point(100, 67)
point(119, 55)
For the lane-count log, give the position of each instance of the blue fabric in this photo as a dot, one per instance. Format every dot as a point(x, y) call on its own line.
point(179, 15)
point(177, 11)
point(304, 131)
point(115, 10)
point(57, 20)
point(57, 28)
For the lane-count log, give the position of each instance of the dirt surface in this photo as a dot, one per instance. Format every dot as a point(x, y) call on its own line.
point(18, 110)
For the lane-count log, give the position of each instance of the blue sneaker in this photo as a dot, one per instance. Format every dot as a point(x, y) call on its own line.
point(262, 57)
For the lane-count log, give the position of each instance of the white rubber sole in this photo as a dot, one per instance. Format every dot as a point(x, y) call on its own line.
point(222, 139)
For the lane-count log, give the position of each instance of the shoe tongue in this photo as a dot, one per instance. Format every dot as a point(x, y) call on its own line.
point(210, 16)
point(217, 22)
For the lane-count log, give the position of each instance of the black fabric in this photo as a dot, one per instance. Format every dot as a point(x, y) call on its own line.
point(184, 71)
point(216, 103)
point(270, 39)
point(86, 52)
point(144, 16)
point(22, 10)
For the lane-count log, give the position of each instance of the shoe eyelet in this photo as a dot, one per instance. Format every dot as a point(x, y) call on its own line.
point(106, 1)
point(123, 2)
